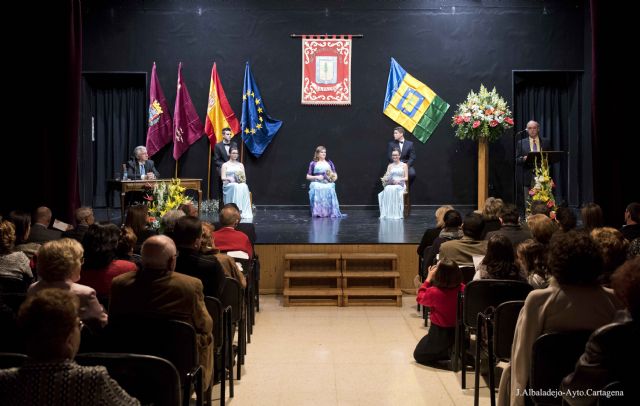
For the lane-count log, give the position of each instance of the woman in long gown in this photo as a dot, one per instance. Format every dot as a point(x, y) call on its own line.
point(391, 199)
point(234, 186)
point(322, 190)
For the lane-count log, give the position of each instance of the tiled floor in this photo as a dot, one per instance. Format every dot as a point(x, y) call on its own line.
point(342, 356)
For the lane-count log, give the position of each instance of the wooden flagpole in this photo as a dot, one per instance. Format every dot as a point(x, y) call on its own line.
point(209, 175)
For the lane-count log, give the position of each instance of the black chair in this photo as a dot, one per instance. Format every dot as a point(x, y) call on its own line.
point(222, 344)
point(478, 295)
point(13, 300)
point(233, 296)
point(468, 272)
point(13, 284)
point(10, 338)
point(554, 356)
point(152, 380)
point(12, 360)
point(172, 340)
point(500, 326)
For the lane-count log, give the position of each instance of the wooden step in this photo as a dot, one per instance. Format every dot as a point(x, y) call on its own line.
point(361, 255)
point(372, 292)
point(313, 274)
point(311, 257)
point(370, 274)
point(311, 292)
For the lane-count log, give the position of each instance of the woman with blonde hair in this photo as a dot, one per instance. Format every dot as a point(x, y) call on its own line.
point(431, 234)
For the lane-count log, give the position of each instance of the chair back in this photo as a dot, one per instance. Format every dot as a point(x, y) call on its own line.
point(13, 284)
point(505, 318)
point(554, 356)
point(12, 360)
point(214, 307)
point(468, 272)
point(11, 340)
point(480, 294)
point(232, 295)
point(152, 380)
point(13, 300)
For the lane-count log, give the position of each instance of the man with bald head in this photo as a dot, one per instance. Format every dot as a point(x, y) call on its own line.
point(157, 291)
point(533, 143)
point(40, 231)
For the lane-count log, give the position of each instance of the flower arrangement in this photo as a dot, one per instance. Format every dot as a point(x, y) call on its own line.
point(164, 197)
point(483, 115)
point(330, 176)
point(384, 180)
point(241, 177)
point(542, 190)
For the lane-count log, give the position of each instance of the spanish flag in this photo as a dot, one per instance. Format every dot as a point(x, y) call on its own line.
point(219, 113)
point(412, 104)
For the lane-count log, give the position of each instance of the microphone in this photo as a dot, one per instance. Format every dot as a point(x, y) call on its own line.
point(520, 132)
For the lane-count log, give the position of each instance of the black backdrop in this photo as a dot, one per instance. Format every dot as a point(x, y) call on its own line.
point(451, 46)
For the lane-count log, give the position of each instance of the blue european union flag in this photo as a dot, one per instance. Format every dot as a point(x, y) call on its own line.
point(258, 128)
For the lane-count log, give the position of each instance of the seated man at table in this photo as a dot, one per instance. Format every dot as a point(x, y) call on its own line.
point(140, 166)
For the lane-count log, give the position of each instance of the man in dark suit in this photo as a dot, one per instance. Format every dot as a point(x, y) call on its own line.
point(533, 143)
point(140, 166)
point(511, 227)
point(221, 155)
point(84, 217)
point(40, 231)
point(407, 153)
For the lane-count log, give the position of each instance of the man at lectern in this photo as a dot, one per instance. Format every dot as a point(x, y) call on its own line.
point(533, 143)
point(140, 166)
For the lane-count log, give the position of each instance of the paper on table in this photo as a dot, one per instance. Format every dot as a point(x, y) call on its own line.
point(60, 225)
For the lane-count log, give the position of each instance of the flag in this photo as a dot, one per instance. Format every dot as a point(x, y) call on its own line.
point(258, 128)
point(187, 127)
point(159, 131)
point(219, 113)
point(412, 104)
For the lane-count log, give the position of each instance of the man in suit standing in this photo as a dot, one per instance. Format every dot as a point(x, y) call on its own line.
point(141, 167)
point(533, 143)
point(407, 153)
point(221, 154)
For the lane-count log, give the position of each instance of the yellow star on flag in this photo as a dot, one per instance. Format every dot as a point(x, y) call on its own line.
point(257, 101)
point(258, 126)
point(259, 109)
point(248, 93)
point(253, 94)
point(260, 118)
point(253, 131)
point(246, 131)
point(244, 97)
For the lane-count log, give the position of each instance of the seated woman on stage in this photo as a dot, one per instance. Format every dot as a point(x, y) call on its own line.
point(234, 186)
point(391, 198)
point(322, 190)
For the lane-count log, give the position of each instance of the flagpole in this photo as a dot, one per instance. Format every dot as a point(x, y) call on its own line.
point(209, 175)
point(241, 152)
point(176, 174)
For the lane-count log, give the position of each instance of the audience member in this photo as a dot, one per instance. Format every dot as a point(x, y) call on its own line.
point(126, 246)
point(511, 228)
point(634, 248)
point(462, 251)
point(247, 227)
point(631, 227)
point(227, 237)
point(539, 207)
point(451, 231)
point(531, 258)
point(169, 220)
point(499, 262)
point(22, 221)
point(492, 208)
point(84, 218)
point(189, 209)
point(40, 231)
point(612, 351)
point(566, 219)
point(592, 217)
point(138, 219)
point(432, 233)
point(59, 264)
point(12, 263)
point(157, 291)
point(573, 301)
point(100, 259)
point(613, 248)
point(51, 329)
point(541, 227)
point(229, 265)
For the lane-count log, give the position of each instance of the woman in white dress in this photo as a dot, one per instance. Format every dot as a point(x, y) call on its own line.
point(234, 184)
point(391, 198)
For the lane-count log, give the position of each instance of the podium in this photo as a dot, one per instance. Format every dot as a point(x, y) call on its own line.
point(533, 157)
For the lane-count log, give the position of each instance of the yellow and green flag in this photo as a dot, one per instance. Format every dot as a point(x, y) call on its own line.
point(412, 104)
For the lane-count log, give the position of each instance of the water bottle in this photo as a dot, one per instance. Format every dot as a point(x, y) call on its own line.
point(125, 176)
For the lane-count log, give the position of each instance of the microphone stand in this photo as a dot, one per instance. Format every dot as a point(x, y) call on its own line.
point(517, 172)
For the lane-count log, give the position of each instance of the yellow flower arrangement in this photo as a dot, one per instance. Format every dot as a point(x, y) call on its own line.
point(542, 190)
point(164, 197)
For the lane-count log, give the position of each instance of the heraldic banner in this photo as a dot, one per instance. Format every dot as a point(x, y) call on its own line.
point(326, 70)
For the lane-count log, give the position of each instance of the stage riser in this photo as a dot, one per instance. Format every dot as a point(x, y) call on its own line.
point(272, 265)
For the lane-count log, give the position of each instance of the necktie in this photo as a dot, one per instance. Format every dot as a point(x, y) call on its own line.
point(142, 169)
point(400, 143)
point(535, 146)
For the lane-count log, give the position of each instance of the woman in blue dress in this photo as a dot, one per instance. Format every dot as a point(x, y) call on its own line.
point(234, 184)
point(391, 199)
point(322, 190)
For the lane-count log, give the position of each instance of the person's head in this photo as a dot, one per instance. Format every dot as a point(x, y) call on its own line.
point(492, 207)
point(140, 152)
point(531, 258)
point(84, 215)
point(43, 216)
point(613, 248)
point(473, 226)
point(448, 275)
point(226, 134)
point(187, 234)
point(574, 259)
point(440, 211)
point(99, 244)
point(50, 325)
point(7, 237)
point(229, 216)
point(566, 218)
point(632, 213)
point(533, 129)
point(60, 260)
point(452, 220)
point(169, 220)
point(499, 259)
point(137, 218)
point(208, 245)
point(592, 216)
point(509, 214)
point(539, 207)
point(395, 155)
point(320, 153)
point(398, 134)
point(189, 209)
point(625, 282)
point(159, 254)
point(541, 227)
point(22, 221)
point(233, 154)
point(126, 243)
point(634, 248)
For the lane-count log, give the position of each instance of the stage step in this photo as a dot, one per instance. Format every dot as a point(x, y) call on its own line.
point(312, 279)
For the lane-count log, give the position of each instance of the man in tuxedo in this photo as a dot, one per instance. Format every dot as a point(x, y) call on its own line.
point(533, 143)
point(140, 166)
point(407, 153)
point(221, 154)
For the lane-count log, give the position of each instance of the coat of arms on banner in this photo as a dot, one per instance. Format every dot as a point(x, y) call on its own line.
point(326, 70)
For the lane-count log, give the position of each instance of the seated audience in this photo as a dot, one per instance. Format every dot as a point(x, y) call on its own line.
point(169, 220)
point(450, 231)
point(51, 329)
point(510, 228)
point(59, 264)
point(531, 258)
point(631, 227)
point(462, 251)
point(613, 248)
point(439, 292)
point(138, 219)
point(592, 217)
point(247, 227)
point(573, 301)
point(157, 291)
point(541, 227)
point(12, 263)
point(100, 260)
point(227, 237)
point(40, 231)
point(84, 218)
point(566, 219)
point(634, 248)
point(229, 265)
point(539, 207)
point(499, 262)
point(432, 233)
point(22, 221)
point(126, 245)
point(613, 349)
point(492, 208)
point(189, 209)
